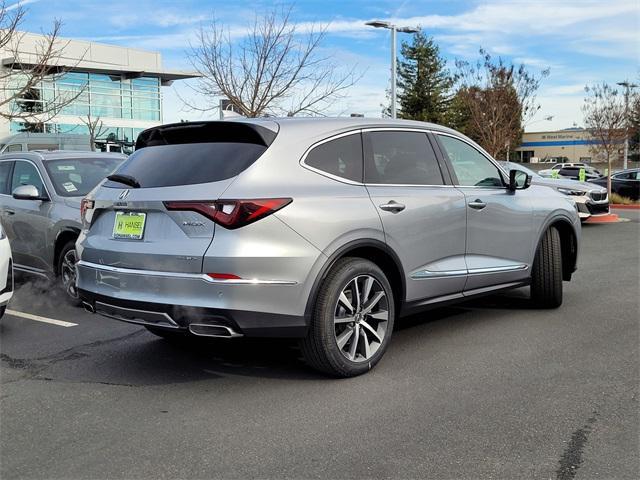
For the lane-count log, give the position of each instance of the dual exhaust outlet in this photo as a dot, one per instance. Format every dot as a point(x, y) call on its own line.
point(198, 329)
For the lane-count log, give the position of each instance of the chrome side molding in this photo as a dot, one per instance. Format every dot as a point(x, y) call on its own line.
point(425, 274)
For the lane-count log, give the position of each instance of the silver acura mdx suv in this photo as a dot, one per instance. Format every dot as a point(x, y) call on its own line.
point(323, 229)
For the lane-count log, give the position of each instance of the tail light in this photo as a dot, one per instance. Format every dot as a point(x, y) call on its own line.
point(85, 206)
point(232, 214)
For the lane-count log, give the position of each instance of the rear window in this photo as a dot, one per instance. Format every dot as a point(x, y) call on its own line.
point(188, 164)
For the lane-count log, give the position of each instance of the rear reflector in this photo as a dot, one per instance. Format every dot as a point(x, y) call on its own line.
point(224, 276)
point(232, 214)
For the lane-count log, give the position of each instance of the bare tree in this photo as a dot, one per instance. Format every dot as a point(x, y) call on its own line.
point(273, 69)
point(21, 78)
point(605, 119)
point(496, 99)
point(96, 129)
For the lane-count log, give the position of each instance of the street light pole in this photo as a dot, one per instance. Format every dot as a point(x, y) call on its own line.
point(627, 86)
point(394, 29)
point(393, 72)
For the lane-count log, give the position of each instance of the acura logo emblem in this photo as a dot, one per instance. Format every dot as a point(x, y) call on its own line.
point(124, 194)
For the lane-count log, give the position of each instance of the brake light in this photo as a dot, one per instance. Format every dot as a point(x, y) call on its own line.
point(85, 205)
point(232, 214)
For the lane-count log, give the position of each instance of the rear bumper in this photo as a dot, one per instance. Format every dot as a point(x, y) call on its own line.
point(257, 308)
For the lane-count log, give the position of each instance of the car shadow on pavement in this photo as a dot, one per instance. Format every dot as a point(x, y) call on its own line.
point(139, 358)
point(143, 359)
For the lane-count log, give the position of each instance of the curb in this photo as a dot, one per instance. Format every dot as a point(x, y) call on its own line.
point(609, 218)
point(625, 207)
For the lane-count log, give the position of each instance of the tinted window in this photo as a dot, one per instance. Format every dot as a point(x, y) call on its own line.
point(5, 172)
point(626, 176)
point(187, 164)
point(341, 157)
point(15, 147)
point(25, 173)
point(471, 167)
point(76, 177)
point(404, 158)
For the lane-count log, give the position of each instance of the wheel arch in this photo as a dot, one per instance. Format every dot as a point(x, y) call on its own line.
point(568, 243)
point(369, 249)
point(65, 235)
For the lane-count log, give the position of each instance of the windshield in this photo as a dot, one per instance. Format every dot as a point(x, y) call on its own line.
point(76, 177)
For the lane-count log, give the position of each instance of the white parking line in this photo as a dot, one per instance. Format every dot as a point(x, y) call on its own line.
point(38, 318)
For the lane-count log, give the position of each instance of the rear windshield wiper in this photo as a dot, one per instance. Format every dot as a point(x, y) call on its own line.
point(124, 179)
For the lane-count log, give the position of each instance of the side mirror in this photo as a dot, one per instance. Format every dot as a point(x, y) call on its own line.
point(27, 192)
point(519, 180)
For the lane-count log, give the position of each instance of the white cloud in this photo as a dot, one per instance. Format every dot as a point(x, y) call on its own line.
point(21, 3)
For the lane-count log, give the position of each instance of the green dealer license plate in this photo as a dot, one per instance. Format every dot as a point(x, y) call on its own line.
point(129, 225)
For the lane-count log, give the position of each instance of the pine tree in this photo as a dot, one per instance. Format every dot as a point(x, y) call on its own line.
point(424, 83)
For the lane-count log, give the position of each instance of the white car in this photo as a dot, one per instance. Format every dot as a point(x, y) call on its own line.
point(559, 166)
point(6, 272)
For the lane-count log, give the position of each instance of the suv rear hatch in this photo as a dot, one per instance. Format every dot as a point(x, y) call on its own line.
point(131, 226)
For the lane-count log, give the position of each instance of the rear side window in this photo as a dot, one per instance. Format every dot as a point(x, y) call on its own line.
point(404, 158)
point(341, 157)
point(188, 164)
point(5, 176)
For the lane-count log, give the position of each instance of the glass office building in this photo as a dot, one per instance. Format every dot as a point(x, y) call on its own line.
point(101, 96)
point(120, 87)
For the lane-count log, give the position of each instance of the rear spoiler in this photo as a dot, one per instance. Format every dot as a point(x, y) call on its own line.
point(206, 132)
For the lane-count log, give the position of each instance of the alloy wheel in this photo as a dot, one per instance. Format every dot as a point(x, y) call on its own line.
point(68, 273)
point(361, 318)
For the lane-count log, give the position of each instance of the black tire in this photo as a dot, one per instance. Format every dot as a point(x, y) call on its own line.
point(320, 348)
point(546, 274)
point(167, 334)
point(67, 275)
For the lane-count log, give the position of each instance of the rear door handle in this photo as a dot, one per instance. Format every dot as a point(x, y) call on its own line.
point(477, 204)
point(9, 212)
point(392, 206)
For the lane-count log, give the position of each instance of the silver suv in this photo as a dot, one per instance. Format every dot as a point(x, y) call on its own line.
point(324, 229)
point(40, 195)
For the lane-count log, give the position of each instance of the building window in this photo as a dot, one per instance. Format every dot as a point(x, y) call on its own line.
point(98, 95)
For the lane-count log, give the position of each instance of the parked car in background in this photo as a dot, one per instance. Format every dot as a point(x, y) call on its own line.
point(573, 173)
point(6, 272)
point(40, 197)
point(321, 229)
point(590, 200)
point(625, 183)
point(570, 170)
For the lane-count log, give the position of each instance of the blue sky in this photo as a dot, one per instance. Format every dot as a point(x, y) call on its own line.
point(582, 42)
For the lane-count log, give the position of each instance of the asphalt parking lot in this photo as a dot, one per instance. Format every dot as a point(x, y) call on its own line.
point(489, 389)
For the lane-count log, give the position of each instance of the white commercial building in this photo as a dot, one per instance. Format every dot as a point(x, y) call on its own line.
point(122, 86)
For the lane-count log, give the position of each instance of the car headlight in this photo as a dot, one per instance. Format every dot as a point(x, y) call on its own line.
point(568, 191)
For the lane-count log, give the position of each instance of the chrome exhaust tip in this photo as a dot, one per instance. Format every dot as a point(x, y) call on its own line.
point(217, 331)
point(88, 307)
